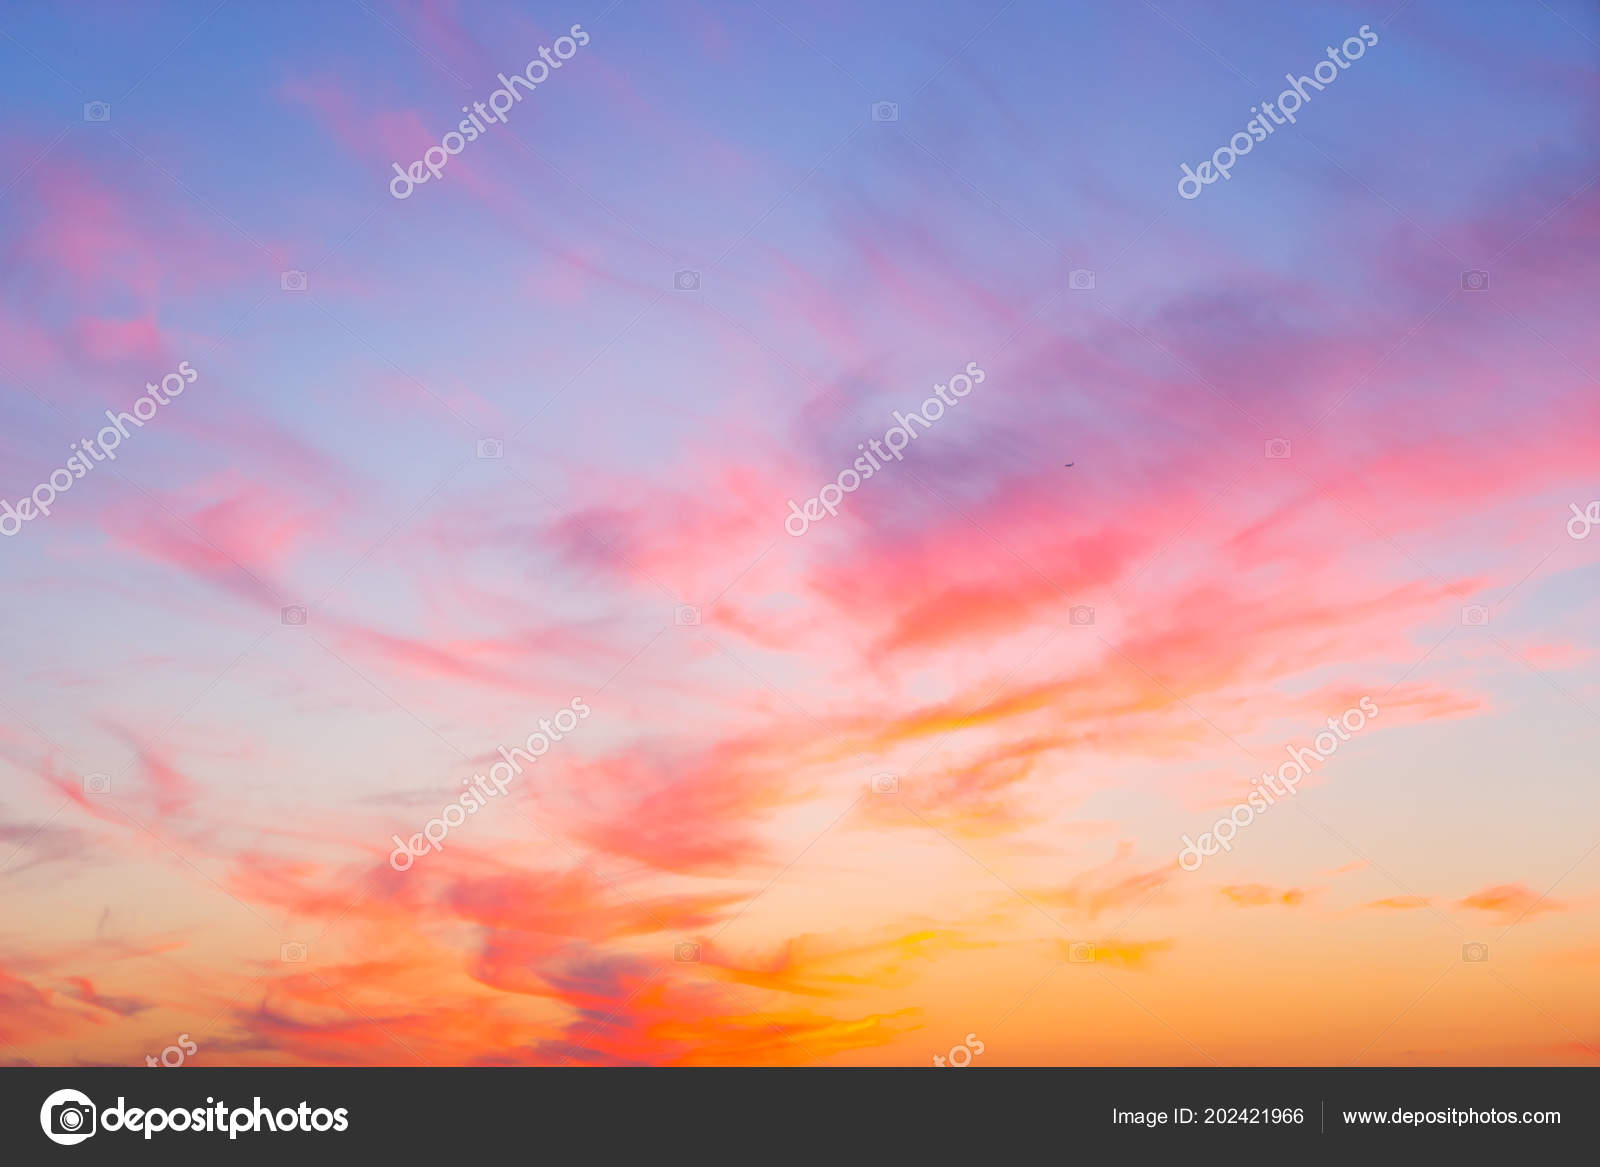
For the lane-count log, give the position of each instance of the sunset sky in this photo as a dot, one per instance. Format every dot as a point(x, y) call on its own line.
point(920, 772)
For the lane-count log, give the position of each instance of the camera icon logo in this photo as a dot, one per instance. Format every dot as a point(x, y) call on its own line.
point(1474, 953)
point(686, 952)
point(293, 952)
point(97, 111)
point(1080, 279)
point(1474, 615)
point(1474, 281)
point(1081, 614)
point(490, 448)
point(293, 281)
point(686, 616)
point(1278, 448)
point(686, 281)
point(885, 111)
point(294, 615)
point(1081, 952)
point(885, 784)
point(97, 783)
point(67, 1117)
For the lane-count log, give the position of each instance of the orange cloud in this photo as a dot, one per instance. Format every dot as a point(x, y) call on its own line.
point(813, 965)
point(1258, 895)
point(1512, 901)
point(1111, 885)
point(1125, 953)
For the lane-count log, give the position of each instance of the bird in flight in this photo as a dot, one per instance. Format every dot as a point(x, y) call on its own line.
point(1071, 463)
